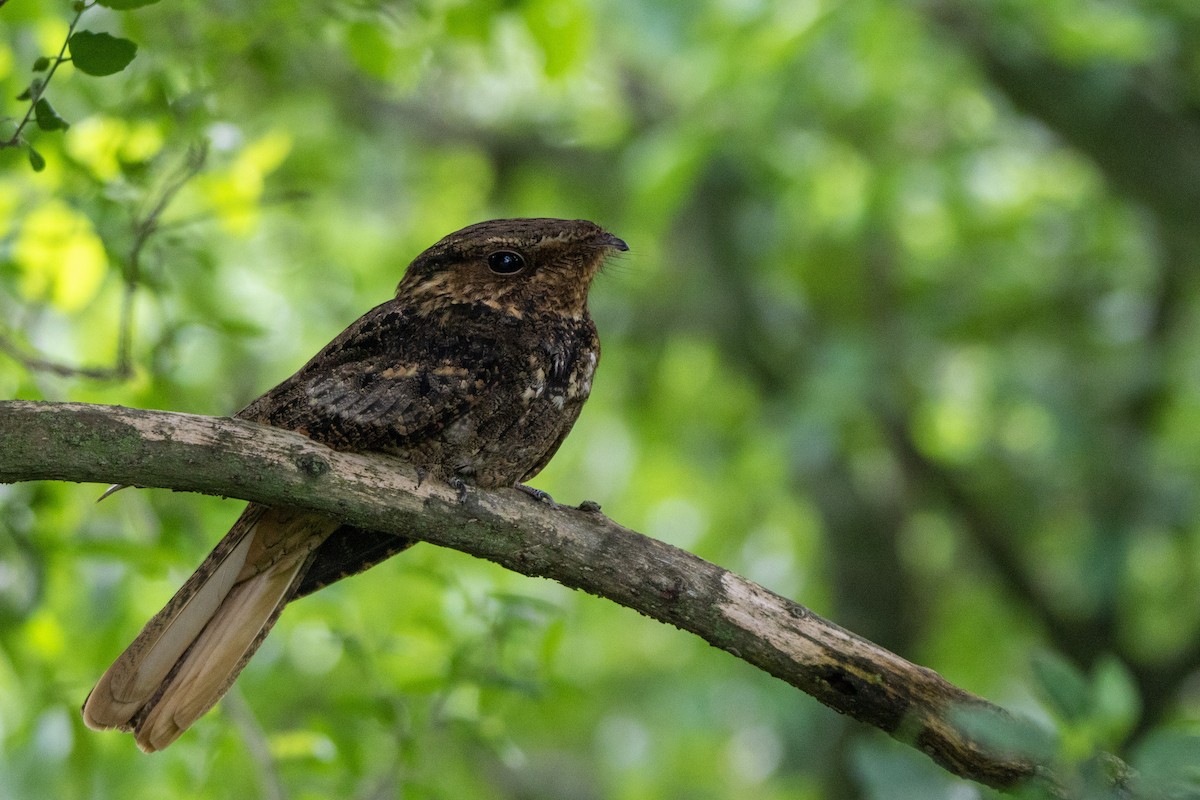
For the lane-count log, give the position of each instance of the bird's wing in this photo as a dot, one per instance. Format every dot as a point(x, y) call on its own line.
point(382, 385)
point(348, 551)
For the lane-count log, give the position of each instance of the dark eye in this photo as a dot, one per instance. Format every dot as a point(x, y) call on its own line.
point(506, 262)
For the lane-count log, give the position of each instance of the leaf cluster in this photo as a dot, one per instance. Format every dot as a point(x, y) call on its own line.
point(92, 53)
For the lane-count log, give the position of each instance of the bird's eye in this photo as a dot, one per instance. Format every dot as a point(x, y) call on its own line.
point(506, 262)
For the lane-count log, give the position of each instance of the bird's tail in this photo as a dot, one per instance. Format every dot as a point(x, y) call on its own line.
point(190, 653)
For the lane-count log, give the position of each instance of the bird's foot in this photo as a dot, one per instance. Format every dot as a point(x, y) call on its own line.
point(538, 494)
point(458, 485)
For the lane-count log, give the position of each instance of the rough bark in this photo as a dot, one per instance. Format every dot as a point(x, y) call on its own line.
point(579, 548)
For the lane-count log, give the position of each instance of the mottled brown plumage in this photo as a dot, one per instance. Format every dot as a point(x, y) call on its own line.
point(475, 372)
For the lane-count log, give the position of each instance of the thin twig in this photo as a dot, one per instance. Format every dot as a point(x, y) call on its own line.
point(143, 230)
point(270, 784)
point(144, 227)
point(37, 89)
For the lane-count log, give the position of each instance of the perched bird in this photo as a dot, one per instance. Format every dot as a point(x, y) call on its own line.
point(474, 372)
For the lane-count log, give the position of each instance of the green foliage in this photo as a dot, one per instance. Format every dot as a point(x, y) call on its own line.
point(100, 54)
point(1065, 689)
point(906, 332)
point(1167, 765)
point(36, 160)
point(125, 5)
point(97, 54)
point(47, 118)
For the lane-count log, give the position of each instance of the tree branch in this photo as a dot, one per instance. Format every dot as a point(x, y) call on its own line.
point(579, 548)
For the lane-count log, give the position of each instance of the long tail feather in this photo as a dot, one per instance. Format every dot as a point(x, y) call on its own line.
point(190, 653)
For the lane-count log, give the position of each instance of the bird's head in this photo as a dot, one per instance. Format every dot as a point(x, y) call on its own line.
point(514, 265)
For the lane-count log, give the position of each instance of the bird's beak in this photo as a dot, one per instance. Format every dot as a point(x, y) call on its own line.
point(606, 239)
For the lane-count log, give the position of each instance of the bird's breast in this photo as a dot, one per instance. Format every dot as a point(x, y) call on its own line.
point(559, 378)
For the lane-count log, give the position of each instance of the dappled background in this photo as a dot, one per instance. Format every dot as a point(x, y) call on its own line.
point(908, 332)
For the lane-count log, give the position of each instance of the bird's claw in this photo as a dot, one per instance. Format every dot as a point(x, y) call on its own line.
point(116, 487)
point(538, 494)
point(459, 486)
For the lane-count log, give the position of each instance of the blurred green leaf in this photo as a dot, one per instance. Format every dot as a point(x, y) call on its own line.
point(36, 161)
point(369, 46)
point(1116, 703)
point(1007, 733)
point(100, 54)
point(561, 28)
point(47, 118)
point(1168, 766)
point(1062, 686)
point(125, 5)
point(41, 64)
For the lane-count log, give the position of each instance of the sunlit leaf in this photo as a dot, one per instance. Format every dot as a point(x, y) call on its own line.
point(236, 193)
point(60, 257)
point(96, 143)
point(368, 44)
point(562, 29)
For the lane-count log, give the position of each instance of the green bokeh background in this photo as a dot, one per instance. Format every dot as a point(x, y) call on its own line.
point(908, 332)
